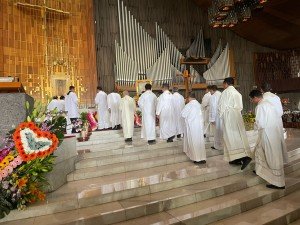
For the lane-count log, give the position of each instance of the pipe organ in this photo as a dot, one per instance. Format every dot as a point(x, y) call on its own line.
point(140, 56)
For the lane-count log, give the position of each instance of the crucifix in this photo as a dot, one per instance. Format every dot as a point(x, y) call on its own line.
point(44, 8)
point(45, 11)
point(186, 74)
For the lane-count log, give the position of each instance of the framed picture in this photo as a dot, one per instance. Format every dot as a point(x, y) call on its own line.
point(140, 86)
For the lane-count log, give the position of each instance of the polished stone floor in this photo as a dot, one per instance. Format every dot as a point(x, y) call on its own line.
point(143, 184)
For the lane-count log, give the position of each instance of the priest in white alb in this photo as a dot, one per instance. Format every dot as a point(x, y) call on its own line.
point(270, 147)
point(193, 139)
point(205, 112)
point(53, 104)
point(179, 104)
point(236, 145)
point(127, 108)
point(71, 106)
point(113, 104)
point(214, 117)
point(61, 103)
point(276, 102)
point(147, 103)
point(166, 111)
point(102, 112)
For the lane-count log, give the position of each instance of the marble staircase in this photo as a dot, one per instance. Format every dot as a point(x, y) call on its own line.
point(157, 184)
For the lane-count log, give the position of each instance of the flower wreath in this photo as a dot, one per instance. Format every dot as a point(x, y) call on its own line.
point(32, 143)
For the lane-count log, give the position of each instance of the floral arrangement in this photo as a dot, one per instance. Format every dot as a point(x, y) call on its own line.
point(77, 125)
point(249, 120)
point(285, 101)
point(291, 117)
point(138, 118)
point(26, 157)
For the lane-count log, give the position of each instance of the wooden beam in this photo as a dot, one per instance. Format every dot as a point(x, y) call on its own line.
point(11, 87)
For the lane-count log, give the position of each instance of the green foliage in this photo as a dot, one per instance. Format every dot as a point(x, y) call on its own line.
point(249, 120)
point(5, 205)
point(84, 117)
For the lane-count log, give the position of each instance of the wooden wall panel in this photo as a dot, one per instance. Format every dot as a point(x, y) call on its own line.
point(181, 20)
point(22, 51)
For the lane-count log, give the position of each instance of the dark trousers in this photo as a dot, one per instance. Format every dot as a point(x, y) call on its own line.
point(73, 121)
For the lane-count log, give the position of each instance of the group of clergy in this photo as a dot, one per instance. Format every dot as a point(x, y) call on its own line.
point(57, 103)
point(222, 113)
point(219, 115)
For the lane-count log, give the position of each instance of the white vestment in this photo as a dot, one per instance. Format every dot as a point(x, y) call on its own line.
point(166, 111)
point(205, 112)
point(276, 102)
point(127, 108)
point(193, 141)
point(71, 105)
point(54, 104)
point(215, 118)
point(103, 113)
point(236, 143)
point(61, 105)
point(147, 102)
point(113, 103)
point(270, 146)
point(179, 104)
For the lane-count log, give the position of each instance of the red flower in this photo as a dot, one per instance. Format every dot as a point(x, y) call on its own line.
point(25, 158)
point(32, 156)
point(31, 125)
point(39, 133)
point(40, 154)
point(22, 126)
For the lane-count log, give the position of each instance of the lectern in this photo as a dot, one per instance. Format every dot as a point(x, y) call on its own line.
point(12, 102)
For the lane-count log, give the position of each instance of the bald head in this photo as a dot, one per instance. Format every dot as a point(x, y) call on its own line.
point(125, 93)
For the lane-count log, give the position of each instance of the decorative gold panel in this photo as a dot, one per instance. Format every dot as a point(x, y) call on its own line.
point(49, 42)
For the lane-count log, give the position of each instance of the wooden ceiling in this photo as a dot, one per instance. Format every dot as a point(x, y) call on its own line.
point(276, 26)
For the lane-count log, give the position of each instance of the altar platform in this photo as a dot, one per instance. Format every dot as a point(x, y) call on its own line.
point(117, 183)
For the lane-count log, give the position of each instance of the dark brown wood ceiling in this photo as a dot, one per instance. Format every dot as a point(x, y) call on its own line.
point(276, 26)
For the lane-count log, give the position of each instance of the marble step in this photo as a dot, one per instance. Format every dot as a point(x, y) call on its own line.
point(127, 157)
point(135, 146)
point(122, 167)
point(126, 148)
point(101, 135)
point(211, 210)
point(297, 222)
point(161, 201)
point(132, 156)
point(285, 210)
point(119, 141)
point(139, 144)
point(104, 170)
point(75, 195)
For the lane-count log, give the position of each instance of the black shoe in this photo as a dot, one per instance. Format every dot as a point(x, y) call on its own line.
point(179, 136)
point(170, 139)
point(204, 135)
point(151, 142)
point(212, 147)
point(245, 162)
point(236, 162)
point(274, 187)
point(254, 172)
point(128, 140)
point(200, 162)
